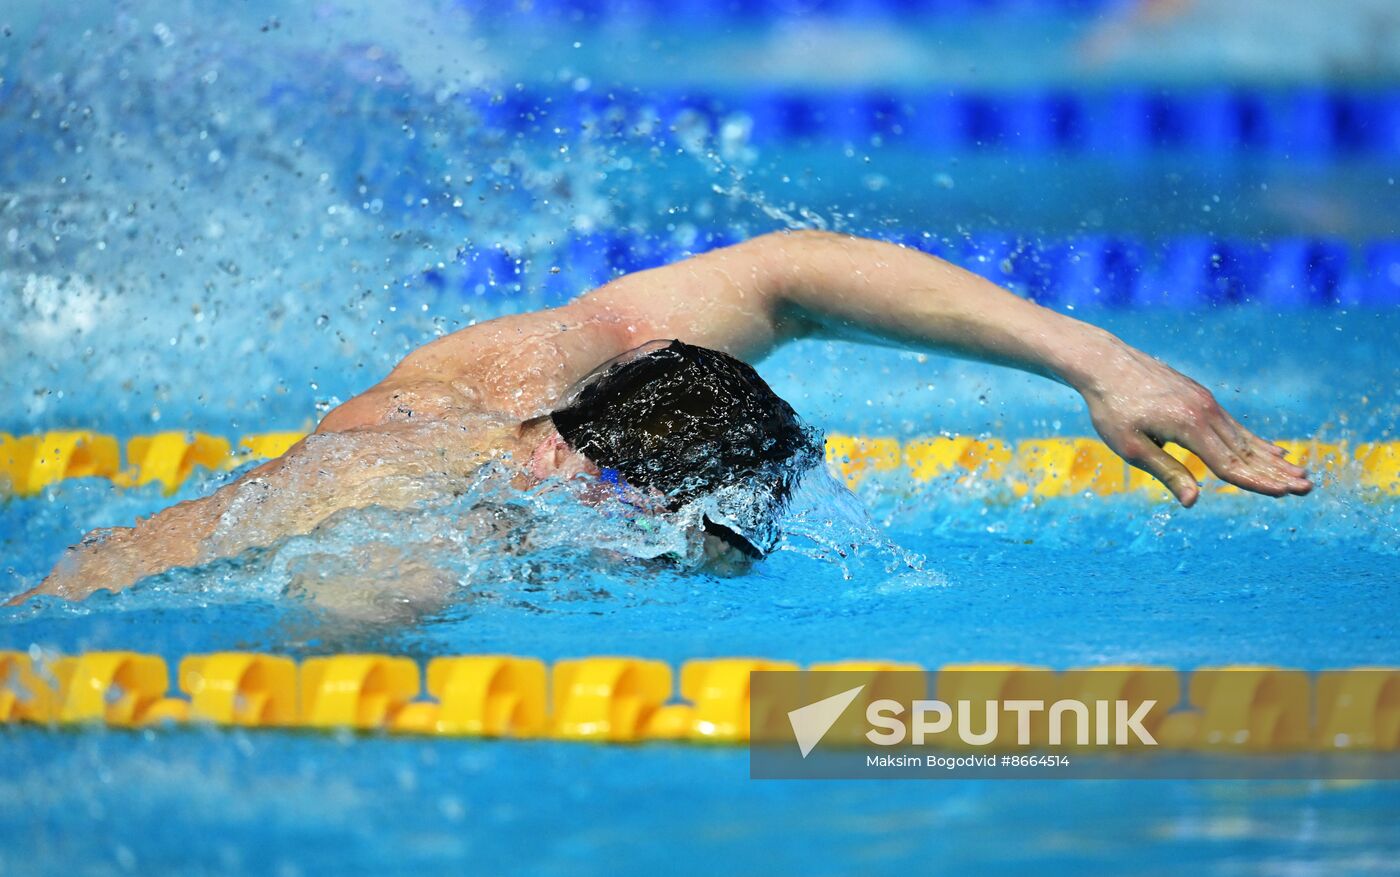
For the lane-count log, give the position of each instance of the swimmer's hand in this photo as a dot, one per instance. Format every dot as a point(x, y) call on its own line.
point(1138, 404)
point(107, 559)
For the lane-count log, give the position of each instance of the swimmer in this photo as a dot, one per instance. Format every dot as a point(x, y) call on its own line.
point(643, 386)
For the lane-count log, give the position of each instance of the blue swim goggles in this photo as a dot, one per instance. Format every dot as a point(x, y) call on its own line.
point(620, 488)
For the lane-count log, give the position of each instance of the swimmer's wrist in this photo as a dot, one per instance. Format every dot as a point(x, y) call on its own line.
point(1086, 357)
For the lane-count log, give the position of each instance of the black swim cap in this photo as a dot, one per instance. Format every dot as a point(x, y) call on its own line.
point(696, 424)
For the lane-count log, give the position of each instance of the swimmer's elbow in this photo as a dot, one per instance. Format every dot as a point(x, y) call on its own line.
point(788, 262)
point(797, 250)
point(803, 236)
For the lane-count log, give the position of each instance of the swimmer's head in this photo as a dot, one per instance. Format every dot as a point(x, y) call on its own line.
point(688, 424)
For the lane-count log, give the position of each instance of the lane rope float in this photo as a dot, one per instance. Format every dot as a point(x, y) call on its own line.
point(620, 699)
point(1039, 468)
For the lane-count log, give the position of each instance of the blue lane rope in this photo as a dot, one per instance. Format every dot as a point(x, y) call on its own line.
point(604, 12)
point(1305, 122)
point(1312, 122)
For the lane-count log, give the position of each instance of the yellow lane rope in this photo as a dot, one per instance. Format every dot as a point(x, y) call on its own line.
point(626, 699)
point(1046, 467)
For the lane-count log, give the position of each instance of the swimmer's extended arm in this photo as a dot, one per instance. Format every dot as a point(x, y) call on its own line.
point(283, 497)
point(747, 298)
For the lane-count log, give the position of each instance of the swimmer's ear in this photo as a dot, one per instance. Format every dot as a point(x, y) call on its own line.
point(555, 458)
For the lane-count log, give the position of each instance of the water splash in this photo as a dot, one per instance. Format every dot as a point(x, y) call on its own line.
point(452, 544)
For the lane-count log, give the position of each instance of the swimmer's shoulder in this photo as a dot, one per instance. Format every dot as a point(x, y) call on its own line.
point(398, 400)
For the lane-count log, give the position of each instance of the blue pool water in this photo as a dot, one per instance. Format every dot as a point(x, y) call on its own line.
point(233, 225)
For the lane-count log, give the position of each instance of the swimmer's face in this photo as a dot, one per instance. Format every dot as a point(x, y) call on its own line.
point(553, 458)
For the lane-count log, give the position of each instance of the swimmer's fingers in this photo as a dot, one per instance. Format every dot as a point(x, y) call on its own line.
point(1236, 460)
point(1146, 454)
point(1258, 460)
point(1271, 452)
point(44, 587)
point(1264, 447)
